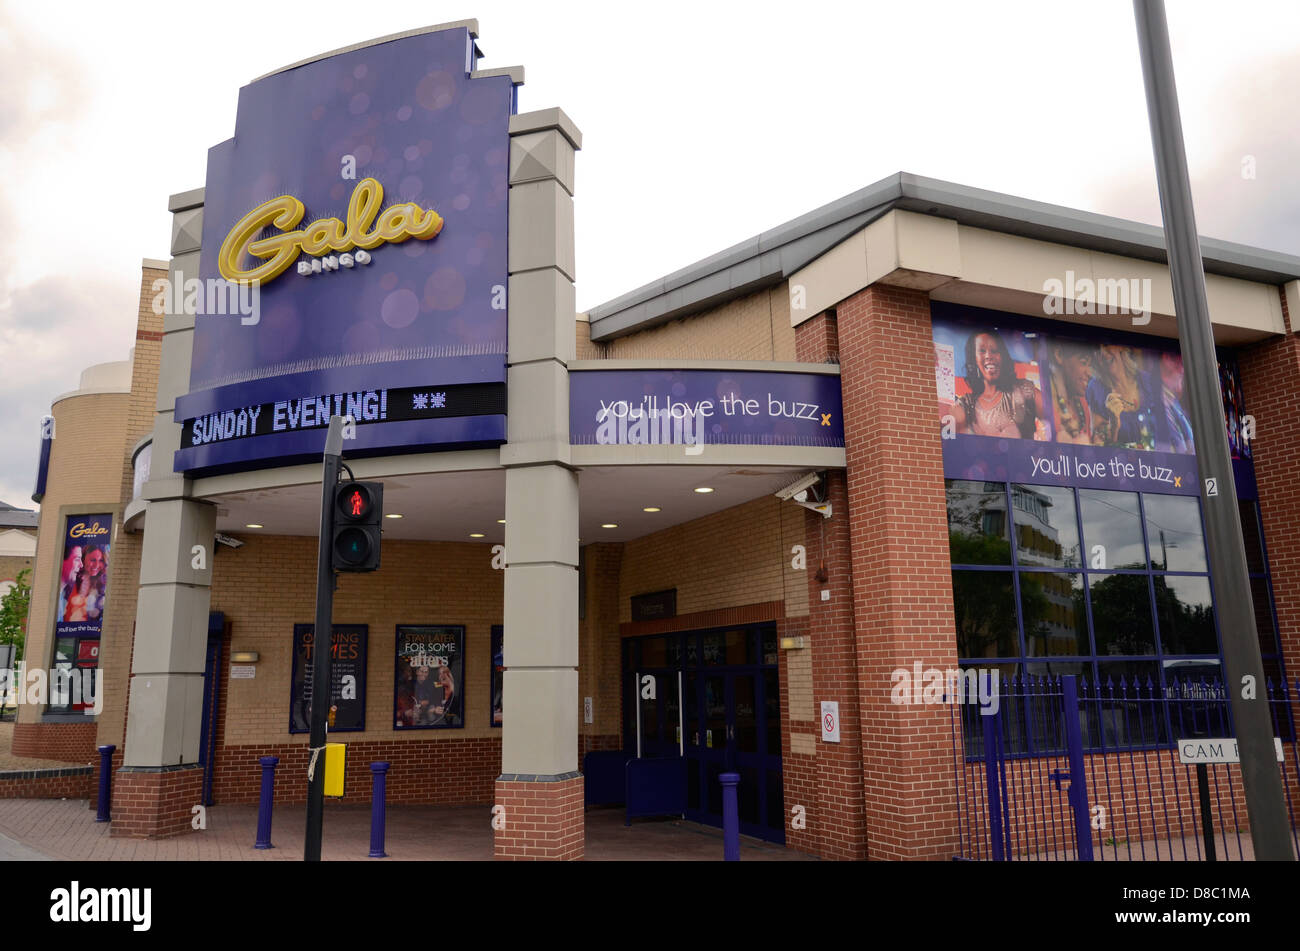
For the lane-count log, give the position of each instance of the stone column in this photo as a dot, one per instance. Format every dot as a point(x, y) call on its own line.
point(160, 779)
point(540, 788)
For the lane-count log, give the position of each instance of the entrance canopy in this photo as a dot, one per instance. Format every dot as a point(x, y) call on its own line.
point(469, 506)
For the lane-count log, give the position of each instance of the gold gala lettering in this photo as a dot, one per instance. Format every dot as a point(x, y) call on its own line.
point(394, 225)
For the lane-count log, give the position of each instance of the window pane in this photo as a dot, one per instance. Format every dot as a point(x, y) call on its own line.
point(1174, 532)
point(1056, 623)
point(1046, 532)
point(673, 652)
point(984, 605)
point(1121, 614)
point(1111, 520)
point(740, 647)
point(1198, 704)
point(1046, 667)
point(715, 648)
point(654, 652)
point(1251, 534)
point(977, 523)
point(1186, 617)
point(1127, 711)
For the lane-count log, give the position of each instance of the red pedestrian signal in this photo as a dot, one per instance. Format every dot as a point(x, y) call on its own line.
point(358, 508)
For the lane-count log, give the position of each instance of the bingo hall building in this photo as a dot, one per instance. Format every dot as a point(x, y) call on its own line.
point(701, 526)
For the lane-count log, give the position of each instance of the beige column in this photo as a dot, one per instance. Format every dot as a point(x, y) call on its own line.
point(160, 779)
point(540, 787)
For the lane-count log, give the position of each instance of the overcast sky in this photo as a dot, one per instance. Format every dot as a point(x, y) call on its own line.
point(703, 124)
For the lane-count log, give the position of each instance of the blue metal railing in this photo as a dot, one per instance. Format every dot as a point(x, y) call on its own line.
point(1063, 769)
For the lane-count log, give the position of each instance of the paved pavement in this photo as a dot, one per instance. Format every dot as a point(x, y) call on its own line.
point(66, 830)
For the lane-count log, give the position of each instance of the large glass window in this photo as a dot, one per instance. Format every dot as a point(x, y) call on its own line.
point(1112, 586)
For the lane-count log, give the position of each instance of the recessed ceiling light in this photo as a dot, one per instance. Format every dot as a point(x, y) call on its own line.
point(652, 508)
point(254, 525)
point(610, 525)
point(501, 521)
point(392, 515)
point(703, 490)
point(475, 534)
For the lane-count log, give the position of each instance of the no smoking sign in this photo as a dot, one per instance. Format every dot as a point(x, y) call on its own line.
point(830, 721)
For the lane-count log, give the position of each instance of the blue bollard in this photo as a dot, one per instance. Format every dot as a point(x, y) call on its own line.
point(264, 802)
point(105, 783)
point(377, 806)
point(730, 818)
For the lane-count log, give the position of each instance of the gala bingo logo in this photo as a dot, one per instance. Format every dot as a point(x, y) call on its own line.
point(366, 228)
point(81, 530)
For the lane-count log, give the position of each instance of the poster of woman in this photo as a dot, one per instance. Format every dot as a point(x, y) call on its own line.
point(1071, 366)
point(987, 380)
point(1126, 396)
point(429, 677)
point(83, 585)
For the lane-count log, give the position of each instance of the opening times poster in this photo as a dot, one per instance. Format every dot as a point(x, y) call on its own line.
point(347, 676)
point(429, 677)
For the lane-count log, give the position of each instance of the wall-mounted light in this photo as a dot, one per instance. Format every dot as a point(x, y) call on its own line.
point(792, 643)
point(244, 657)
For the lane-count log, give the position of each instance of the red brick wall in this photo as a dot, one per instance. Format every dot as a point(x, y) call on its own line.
point(449, 771)
point(542, 821)
point(1268, 370)
point(70, 742)
point(817, 340)
point(837, 817)
point(72, 783)
point(900, 565)
point(155, 804)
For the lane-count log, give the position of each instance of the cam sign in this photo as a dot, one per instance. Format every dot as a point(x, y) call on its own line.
point(1214, 750)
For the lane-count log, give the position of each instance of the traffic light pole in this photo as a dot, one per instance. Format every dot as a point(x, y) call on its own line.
point(322, 642)
point(1243, 669)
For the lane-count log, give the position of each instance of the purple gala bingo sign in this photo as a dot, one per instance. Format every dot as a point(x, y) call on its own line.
point(365, 194)
point(705, 407)
point(1042, 403)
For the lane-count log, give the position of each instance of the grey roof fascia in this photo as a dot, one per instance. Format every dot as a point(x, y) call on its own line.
point(766, 258)
point(1034, 219)
point(743, 268)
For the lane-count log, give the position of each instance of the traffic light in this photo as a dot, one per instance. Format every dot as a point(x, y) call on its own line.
point(358, 509)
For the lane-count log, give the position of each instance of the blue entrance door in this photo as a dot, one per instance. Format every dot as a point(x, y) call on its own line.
point(728, 720)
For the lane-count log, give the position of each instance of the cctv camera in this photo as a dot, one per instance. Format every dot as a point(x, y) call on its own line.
point(798, 489)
